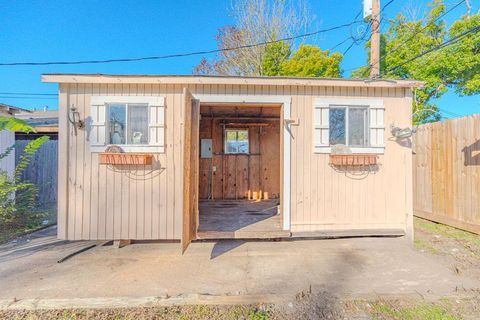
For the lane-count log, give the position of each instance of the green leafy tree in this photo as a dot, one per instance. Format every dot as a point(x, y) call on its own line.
point(275, 55)
point(455, 67)
point(309, 61)
point(18, 197)
point(14, 124)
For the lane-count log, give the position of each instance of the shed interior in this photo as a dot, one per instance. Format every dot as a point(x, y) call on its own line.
point(239, 171)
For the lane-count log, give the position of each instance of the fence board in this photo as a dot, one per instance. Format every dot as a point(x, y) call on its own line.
point(447, 172)
point(42, 171)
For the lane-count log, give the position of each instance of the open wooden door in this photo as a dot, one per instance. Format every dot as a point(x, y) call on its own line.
point(191, 165)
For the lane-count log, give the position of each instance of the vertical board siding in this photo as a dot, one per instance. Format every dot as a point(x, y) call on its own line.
point(326, 198)
point(41, 171)
point(146, 202)
point(120, 202)
point(7, 164)
point(447, 172)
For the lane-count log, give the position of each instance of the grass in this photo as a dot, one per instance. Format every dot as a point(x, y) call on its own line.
point(422, 245)
point(383, 310)
point(202, 312)
point(467, 239)
point(22, 228)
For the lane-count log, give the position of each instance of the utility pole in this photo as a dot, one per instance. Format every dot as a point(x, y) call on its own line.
point(375, 42)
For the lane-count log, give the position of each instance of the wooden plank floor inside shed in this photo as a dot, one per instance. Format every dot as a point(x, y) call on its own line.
point(240, 219)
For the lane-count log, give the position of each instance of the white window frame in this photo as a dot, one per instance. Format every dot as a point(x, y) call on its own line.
point(127, 107)
point(237, 130)
point(150, 101)
point(327, 103)
point(347, 122)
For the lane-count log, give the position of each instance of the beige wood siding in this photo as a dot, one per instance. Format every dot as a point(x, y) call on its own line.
point(103, 202)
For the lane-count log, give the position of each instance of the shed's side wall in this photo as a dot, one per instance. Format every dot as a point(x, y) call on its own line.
point(103, 202)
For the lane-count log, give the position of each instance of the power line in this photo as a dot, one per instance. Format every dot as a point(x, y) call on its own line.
point(357, 42)
point(179, 54)
point(440, 46)
point(448, 112)
point(389, 3)
point(348, 49)
point(339, 44)
point(411, 37)
point(355, 19)
point(422, 29)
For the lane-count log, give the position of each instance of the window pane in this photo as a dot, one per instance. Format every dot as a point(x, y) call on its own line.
point(236, 141)
point(357, 125)
point(231, 135)
point(242, 141)
point(231, 146)
point(137, 124)
point(116, 123)
point(337, 126)
point(231, 141)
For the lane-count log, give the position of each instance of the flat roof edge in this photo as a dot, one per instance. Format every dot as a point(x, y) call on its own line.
point(12, 109)
point(194, 79)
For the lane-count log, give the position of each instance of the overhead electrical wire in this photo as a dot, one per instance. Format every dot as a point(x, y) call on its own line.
point(355, 20)
point(412, 36)
point(168, 56)
point(387, 4)
point(422, 29)
point(362, 38)
point(438, 47)
point(450, 113)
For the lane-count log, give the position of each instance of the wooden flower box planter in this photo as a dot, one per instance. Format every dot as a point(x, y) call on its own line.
point(353, 159)
point(125, 158)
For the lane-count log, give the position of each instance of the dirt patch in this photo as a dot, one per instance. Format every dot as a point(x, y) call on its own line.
point(415, 309)
point(201, 312)
point(305, 306)
point(457, 249)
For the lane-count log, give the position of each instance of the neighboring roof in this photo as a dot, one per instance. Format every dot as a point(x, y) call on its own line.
point(40, 117)
point(11, 109)
point(232, 80)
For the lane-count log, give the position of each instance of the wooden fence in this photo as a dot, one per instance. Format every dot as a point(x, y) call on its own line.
point(446, 172)
point(42, 171)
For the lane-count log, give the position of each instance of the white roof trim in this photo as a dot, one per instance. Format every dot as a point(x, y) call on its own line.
point(230, 80)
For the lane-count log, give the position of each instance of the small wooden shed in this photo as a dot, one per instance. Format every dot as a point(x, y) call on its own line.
point(202, 157)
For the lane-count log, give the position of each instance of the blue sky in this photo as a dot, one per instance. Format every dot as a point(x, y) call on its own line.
point(82, 30)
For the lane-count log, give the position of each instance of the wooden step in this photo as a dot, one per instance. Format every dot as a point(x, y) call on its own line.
point(271, 234)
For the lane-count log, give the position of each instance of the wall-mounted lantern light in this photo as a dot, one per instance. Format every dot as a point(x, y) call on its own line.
point(400, 133)
point(74, 119)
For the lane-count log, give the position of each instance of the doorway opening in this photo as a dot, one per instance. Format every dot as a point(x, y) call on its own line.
point(240, 174)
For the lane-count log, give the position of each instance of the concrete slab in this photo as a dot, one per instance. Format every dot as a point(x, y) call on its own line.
point(345, 267)
point(240, 219)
